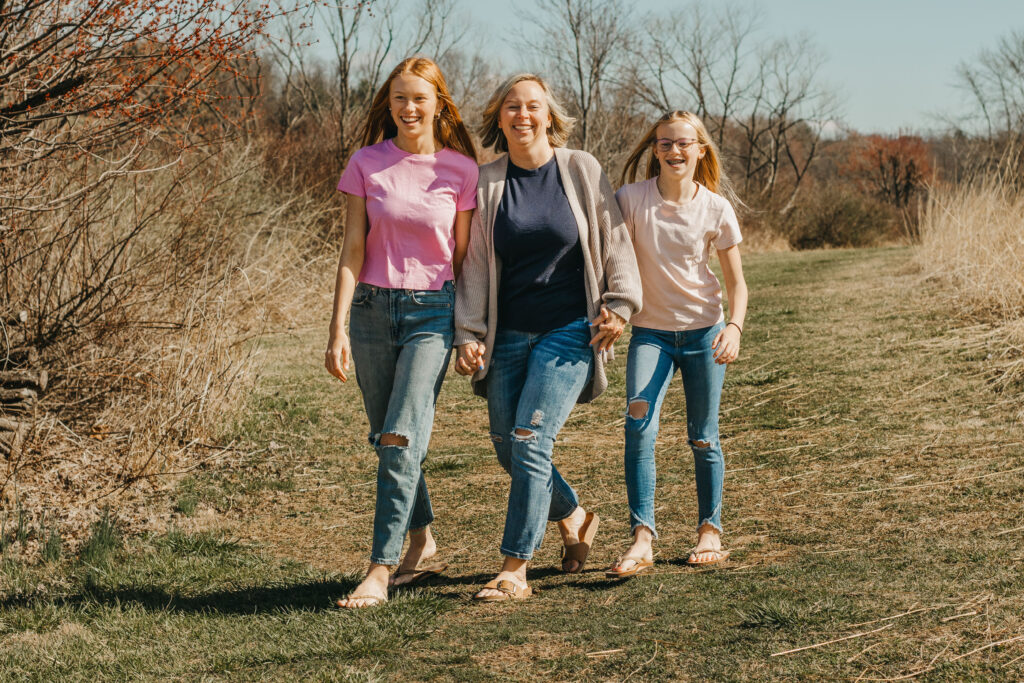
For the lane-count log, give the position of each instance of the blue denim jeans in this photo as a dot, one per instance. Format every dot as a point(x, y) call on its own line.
point(653, 358)
point(532, 385)
point(401, 345)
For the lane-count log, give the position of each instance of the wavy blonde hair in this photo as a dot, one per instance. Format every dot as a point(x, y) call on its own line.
point(490, 132)
point(709, 167)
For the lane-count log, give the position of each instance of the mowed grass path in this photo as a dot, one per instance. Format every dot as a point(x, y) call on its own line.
point(874, 494)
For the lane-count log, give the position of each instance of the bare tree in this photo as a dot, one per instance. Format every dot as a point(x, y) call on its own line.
point(581, 42)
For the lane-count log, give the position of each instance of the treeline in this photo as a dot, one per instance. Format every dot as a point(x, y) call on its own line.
point(807, 180)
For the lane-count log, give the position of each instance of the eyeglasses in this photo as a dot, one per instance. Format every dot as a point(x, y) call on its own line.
point(666, 145)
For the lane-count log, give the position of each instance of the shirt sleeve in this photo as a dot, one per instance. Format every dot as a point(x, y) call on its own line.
point(352, 181)
point(728, 228)
point(467, 192)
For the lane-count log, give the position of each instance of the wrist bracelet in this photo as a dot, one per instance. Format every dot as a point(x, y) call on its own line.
point(737, 326)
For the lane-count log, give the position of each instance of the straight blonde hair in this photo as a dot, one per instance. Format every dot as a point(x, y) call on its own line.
point(709, 167)
point(490, 132)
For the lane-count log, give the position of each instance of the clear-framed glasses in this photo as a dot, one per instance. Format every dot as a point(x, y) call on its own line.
point(666, 145)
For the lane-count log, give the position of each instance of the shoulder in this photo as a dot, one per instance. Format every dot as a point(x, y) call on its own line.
point(632, 192)
point(494, 170)
point(459, 160)
point(718, 206)
point(579, 160)
point(373, 151)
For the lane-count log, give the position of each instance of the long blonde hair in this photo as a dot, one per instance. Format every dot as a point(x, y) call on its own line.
point(490, 130)
point(709, 167)
point(449, 130)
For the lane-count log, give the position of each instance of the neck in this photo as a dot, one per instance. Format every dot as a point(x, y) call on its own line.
point(420, 144)
point(531, 157)
point(678, 190)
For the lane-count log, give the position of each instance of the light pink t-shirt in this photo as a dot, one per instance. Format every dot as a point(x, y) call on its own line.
point(673, 244)
point(411, 200)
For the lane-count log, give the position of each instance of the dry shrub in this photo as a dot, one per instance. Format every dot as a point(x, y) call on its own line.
point(211, 256)
point(972, 238)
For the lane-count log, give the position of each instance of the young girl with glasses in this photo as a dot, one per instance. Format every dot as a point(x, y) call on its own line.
point(410, 194)
point(675, 217)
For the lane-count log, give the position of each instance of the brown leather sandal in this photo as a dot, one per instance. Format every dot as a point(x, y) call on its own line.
point(509, 589)
point(578, 551)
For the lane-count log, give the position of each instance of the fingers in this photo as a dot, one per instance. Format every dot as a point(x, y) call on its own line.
point(335, 365)
point(600, 317)
point(718, 338)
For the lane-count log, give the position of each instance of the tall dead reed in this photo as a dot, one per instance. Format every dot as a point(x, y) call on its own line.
point(972, 237)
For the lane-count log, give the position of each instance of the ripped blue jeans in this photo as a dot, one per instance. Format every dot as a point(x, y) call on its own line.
point(654, 356)
point(401, 345)
point(532, 386)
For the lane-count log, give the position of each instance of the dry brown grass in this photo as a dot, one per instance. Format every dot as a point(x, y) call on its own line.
point(142, 385)
point(972, 239)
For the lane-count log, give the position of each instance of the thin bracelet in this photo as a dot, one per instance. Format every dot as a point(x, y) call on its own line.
point(737, 326)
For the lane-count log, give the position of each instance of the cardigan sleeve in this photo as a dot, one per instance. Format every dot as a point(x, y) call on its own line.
point(623, 293)
point(471, 291)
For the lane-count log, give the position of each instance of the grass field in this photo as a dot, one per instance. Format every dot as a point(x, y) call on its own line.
point(874, 506)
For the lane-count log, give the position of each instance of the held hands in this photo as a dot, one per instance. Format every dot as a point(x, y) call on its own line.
point(471, 358)
point(338, 355)
point(727, 344)
point(609, 328)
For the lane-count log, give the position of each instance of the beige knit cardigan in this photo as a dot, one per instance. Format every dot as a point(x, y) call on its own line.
point(610, 271)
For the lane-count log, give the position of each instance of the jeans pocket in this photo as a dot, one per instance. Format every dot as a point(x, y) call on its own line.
point(439, 298)
point(362, 294)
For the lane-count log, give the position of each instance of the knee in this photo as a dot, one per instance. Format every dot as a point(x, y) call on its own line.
point(522, 435)
point(638, 415)
point(390, 439)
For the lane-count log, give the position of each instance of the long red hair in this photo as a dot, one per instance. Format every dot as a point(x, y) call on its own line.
point(449, 130)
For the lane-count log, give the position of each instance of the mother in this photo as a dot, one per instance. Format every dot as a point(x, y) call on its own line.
point(548, 284)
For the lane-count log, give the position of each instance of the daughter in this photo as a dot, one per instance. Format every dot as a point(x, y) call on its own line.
point(674, 217)
point(411, 191)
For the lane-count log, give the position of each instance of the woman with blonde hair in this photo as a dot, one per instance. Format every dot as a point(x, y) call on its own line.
point(547, 287)
point(410, 194)
point(675, 216)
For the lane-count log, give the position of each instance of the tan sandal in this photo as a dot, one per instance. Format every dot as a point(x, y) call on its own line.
point(577, 552)
point(377, 600)
point(720, 556)
point(417, 575)
point(509, 589)
point(639, 565)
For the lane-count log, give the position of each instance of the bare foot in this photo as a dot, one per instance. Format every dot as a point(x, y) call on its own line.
point(372, 591)
point(421, 547)
point(570, 530)
point(513, 570)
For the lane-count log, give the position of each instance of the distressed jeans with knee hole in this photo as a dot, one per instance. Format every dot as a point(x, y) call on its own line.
point(654, 356)
point(532, 386)
point(401, 346)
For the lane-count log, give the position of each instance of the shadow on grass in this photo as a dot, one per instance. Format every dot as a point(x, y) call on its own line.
point(313, 596)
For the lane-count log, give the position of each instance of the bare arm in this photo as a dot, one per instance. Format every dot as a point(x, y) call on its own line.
point(462, 222)
point(727, 343)
point(353, 251)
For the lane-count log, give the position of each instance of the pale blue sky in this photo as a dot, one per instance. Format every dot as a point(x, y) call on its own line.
point(892, 62)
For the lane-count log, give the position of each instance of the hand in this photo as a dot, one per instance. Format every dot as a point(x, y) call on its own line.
point(471, 358)
point(338, 355)
point(610, 326)
point(727, 343)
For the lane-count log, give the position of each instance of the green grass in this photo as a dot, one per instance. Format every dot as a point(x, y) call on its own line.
point(870, 492)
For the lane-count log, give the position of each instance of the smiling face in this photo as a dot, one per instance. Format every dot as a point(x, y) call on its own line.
point(413, 103)
point(525, 116)
point(677, 162)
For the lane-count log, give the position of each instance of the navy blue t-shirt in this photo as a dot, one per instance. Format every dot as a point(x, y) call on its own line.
point(538, 241)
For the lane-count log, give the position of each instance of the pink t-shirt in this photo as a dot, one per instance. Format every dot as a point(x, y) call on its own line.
point(411, 200)
point(673, 244)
